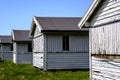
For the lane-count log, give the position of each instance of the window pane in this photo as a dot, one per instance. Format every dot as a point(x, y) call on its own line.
point(29, 47)
point(65, 43)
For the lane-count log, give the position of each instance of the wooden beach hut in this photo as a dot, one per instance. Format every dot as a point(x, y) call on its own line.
point(103, 21)
point(22, 47)
point(6, 47)
point(58, 43)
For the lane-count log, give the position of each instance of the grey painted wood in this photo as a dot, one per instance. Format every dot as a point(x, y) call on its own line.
point(7, 56)
point(76, 58)
point(22, 47)
point(5, 47)
point(54, 43)
point(68, 61)
point(48, 52)
point(6, 52)
point(24, 58)
point(79, 43)
point(21, 54)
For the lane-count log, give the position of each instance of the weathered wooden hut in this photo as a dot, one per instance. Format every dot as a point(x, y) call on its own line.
point(22, 47)
point(103, 19)
point(6, 47)
point(58, 43)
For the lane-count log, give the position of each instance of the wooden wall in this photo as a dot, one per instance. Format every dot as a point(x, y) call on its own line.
point(21, 54)
point(106, 39)
point(5, 47)
point(38, 49)
point(67, 60)
point(108, 12)
point(105, 31)
point(6, 52)
point(79, 43)
point(22, 47)
point(76, 58)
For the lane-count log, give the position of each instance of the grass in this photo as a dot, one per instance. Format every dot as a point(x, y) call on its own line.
point(11, 71)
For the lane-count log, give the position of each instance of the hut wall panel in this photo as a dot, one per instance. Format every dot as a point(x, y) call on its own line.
point(38, 49)
point(110, 11)
point(7, 56)
point(38, 44)
point(38, 60)
point(6, 48)
point(26, 58)
point(6, 52)
point(76, 43)
point(106, 39)
point(22, 47)
point(68, 61)
point(76, 58)
point(54, 43)
point(79, 43)
point(37, 31)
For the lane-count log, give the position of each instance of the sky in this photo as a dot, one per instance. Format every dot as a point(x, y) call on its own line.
point(18, 14)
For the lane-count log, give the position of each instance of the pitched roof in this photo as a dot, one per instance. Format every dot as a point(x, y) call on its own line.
point(58, 23)
point(90, 11)
point(5, 39)
point(55, 24)
point(20, 35)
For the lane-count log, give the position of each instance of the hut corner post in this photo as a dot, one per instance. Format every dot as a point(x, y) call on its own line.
point(45, 54)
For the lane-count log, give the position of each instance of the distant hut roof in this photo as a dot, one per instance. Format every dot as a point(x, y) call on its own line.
point(20, 35)
point(5, 39)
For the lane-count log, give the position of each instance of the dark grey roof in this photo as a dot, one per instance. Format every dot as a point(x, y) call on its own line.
point(21, 35)
point(5, 39)
point(59, 23)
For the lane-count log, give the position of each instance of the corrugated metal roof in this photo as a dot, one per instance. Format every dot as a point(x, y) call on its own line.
point(5, 39)
point(59, 23)
point(21, 35)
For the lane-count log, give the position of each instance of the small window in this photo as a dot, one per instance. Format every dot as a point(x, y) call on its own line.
point(11, 47)
point(0, 48)
point(29, 47)
point(65, 43)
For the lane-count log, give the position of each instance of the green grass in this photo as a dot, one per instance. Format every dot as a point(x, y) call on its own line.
point(11, 71)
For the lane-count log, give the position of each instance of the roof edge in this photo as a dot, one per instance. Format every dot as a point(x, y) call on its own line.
point(87, 30)
point(90, 11)
point(34, 22)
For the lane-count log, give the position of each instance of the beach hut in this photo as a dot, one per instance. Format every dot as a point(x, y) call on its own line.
point(6, 47)
point(103, 21)
point(22, 47)
point(58, 43)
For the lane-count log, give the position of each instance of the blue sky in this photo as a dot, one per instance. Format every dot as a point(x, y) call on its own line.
point(18, 14)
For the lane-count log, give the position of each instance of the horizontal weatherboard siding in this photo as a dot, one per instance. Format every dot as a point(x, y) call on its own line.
point(68, 61)
point(107, 13)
